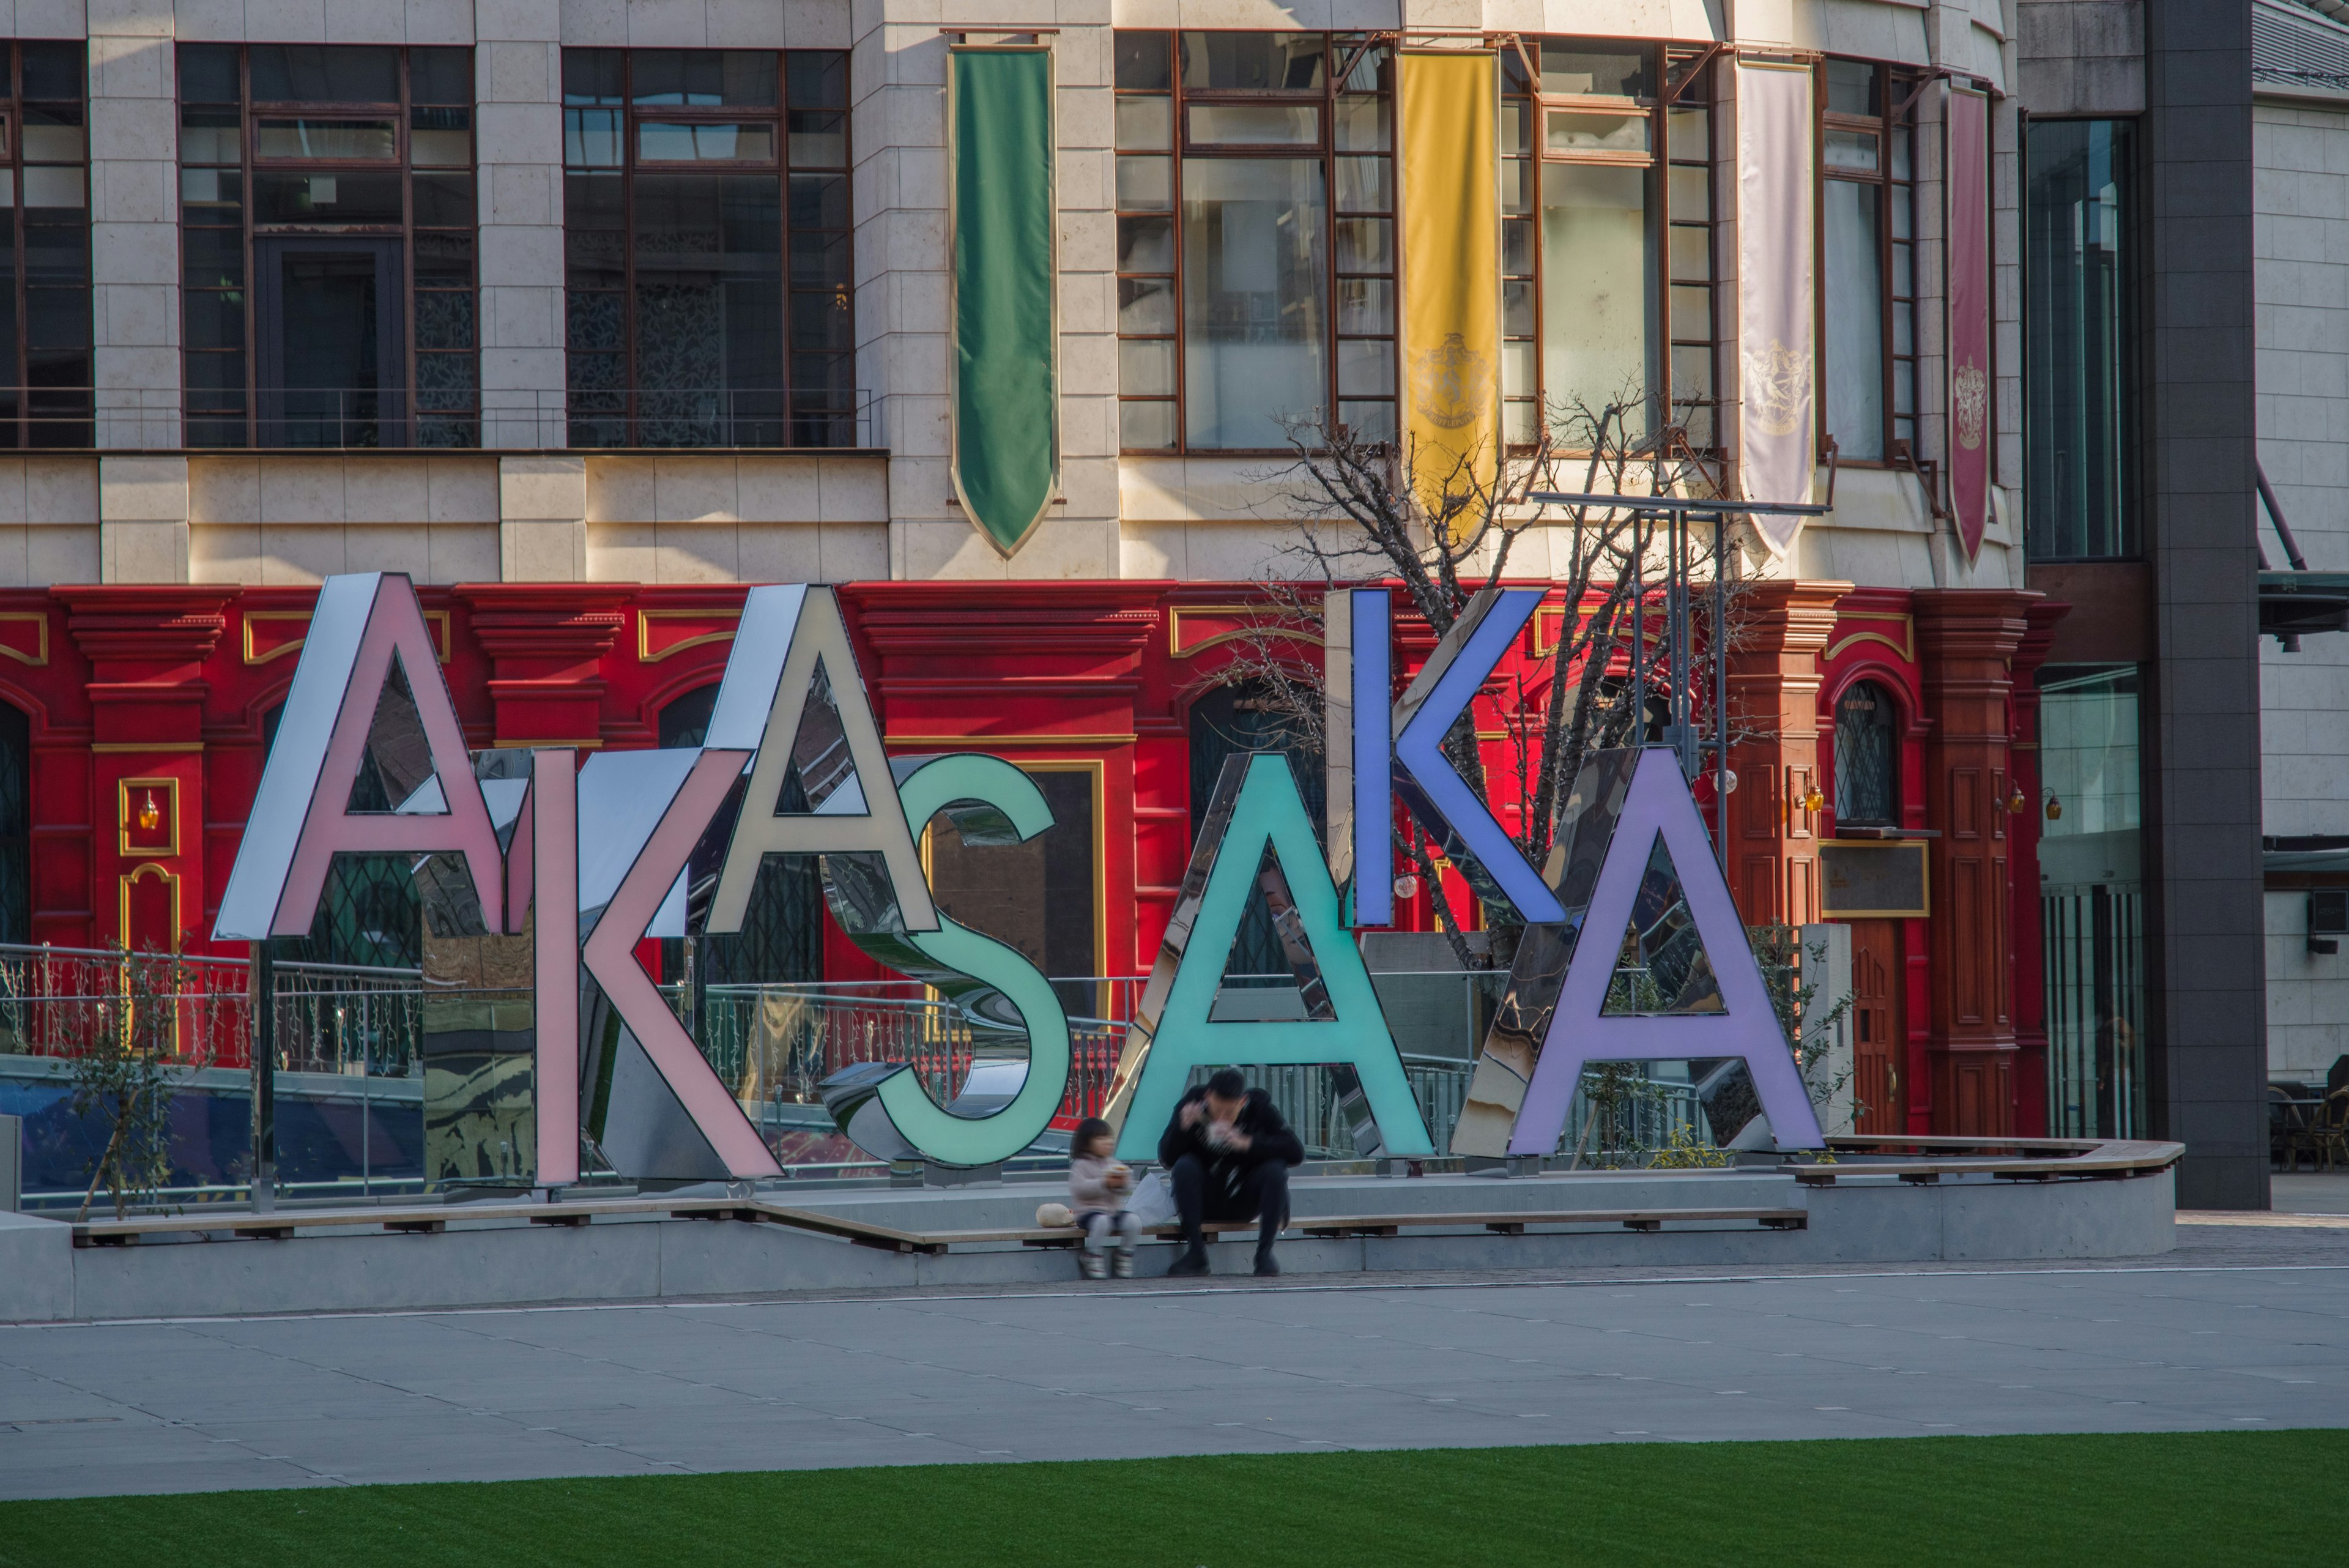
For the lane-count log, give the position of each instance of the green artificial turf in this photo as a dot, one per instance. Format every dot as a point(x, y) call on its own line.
point(2073, 1502)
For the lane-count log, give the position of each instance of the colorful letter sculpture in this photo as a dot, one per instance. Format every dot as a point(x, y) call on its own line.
point(1553, 1019)
point(793, 695)
point(366, 625)
point(1011, 1094)
point(1257, 806)
point(1367, 751)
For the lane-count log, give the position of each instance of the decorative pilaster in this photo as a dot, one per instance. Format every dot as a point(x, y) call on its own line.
point(1967, 640)
point(1774, 704)
point(2029, 951)
point(147, 649)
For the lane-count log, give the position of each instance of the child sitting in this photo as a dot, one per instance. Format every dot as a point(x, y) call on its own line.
point(1098, 1186)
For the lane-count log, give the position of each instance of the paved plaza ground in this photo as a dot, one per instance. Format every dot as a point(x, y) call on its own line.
point(2243, 1328)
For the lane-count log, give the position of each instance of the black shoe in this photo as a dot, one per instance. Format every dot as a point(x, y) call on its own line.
point(1194, 1261)
point(1265, 1268)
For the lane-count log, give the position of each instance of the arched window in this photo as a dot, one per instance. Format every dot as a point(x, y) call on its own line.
point(1866, 757)
point(781, 939)
point(1247, 718)
point(15, 826)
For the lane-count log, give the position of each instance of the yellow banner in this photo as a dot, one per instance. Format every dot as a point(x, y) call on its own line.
point(1448, 104)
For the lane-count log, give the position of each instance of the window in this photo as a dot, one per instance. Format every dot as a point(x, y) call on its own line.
point(2092, 900)
point(2078, 367)
point(45, 299)
point(327, 217)
point(1867, 758)
point(1255, 179)
point(706, 214)
point(1038, 897)
point(1605, 180)
point(1867, 222)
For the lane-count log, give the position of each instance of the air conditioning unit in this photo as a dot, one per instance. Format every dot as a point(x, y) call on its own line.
point(2328, 918)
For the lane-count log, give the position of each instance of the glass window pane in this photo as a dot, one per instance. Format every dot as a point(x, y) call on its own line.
point(1854, 327)
point(818, 139)
point(1692, 253)
point(1363, 125)
point(1904, 271)
point(1365, 367)
point(591, 138)
point(659, 142)
point(1691, 313)
point(1901, 144)
point(1145, 124)
point(1145, 184)
point(208, 74)
point(1852, 150)
point(1146, 304)
point(1515, 139)
point(1145, 367)
point(293, 198)
point(1256, 124)
point(207, 136)
point(816, 79)
point(323, 73)
point(1141, 62)
point(52, 141)
point(1256, 311)
point(1519, 421)
point(443, 201)
point(1689, 132)
point(1516, 187)
point(592, 76)
point(1851, 88)
point(708, 301)
point(1365, 245)
point(1147, 427)
point(1691, 187)
point(1517, 247)
point(337, 139)
point(1365, 305)
point(818, 201)
point(1620, 73)
point(1597, 258)
point(440, 76)
point(1518, 370)
point(709, 79)
point(1581, 130)
point(1145, 245)
point(439, 138)
point(215, 317)
point(1692, 375)
point(60, 188)
point(1252, 62)
point(1368, 421)
point(1517, 308)
point(1365, 184)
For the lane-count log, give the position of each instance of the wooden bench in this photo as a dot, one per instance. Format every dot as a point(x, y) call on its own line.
point(1513, 1222)
point(1924, 1159)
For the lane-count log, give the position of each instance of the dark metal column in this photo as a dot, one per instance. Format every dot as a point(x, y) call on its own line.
point(2208, 1002)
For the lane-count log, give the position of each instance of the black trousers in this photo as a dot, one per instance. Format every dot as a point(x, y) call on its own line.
point(1262, 1196)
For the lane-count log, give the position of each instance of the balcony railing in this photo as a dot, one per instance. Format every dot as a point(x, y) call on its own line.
point(328, 419)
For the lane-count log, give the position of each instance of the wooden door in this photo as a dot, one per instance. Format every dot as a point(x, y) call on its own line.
point(1877, 1032)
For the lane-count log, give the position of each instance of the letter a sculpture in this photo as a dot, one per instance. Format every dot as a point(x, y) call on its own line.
point(1552, 1021)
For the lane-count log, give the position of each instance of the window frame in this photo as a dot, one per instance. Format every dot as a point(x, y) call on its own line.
point(838, 413)
point(464, 423)
point(1897, 94)
point(1681, 82)
point(1352, 51)
point(65, 418)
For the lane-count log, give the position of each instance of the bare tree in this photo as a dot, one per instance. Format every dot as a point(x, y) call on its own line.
point(1448, 526)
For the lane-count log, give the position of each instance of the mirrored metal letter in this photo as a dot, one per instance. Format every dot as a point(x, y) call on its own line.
point(301, 815)
point(1357, 682)
point(792, 647)
point(1553, 1019)
point(1256, 807)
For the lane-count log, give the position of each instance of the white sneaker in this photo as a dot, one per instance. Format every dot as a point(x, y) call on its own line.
point(1093, 1265)
point(1122, 1264)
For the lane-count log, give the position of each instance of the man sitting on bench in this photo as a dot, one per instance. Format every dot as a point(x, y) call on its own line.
point(1228, 1154)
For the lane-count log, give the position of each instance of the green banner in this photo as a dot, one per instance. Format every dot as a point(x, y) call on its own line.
point(1006, 414)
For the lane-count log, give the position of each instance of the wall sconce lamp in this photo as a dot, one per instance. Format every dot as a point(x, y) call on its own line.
point(2054, 808)
point(149, 815)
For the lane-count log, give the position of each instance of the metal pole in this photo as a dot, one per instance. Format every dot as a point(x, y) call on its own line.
point(1720, 699)
point(264, 1078)
point(1638, 634)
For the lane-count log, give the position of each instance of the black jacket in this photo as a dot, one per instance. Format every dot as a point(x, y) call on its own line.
point(1269, 1138)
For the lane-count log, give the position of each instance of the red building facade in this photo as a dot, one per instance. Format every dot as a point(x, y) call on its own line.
point(147, 710)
